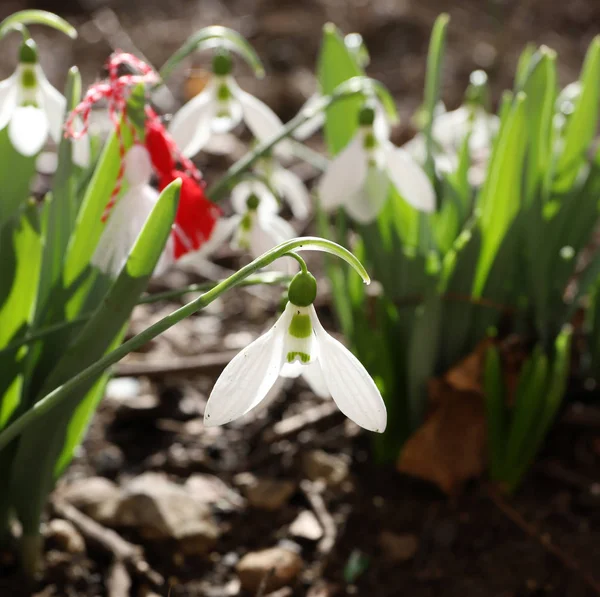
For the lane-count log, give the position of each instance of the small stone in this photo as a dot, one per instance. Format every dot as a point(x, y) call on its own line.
point(306, 526)
point(122, 388)
point(210, 490)
point(398, 547)
point(276, 567)
point(161, 509)
point(320, 465)
point(97, 497)
point(266, 494)
point(65, 536)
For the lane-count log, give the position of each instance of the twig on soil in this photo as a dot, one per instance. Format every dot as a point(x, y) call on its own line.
point(297, 423)
point(543, 539)
point(264, 582)
point(123, 551)
point(205, 364)
point(118, 582)
point(312, 491)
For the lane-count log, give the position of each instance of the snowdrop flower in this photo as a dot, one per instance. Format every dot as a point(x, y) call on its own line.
point(360, 176)
point(258, 224)
point(33, 109)
point(129, 215)
point(220, 107)
point(297, 344)
point(287, 185)
point(449, 131)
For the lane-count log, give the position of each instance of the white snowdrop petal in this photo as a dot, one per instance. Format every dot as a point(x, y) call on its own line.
point(345, 175)
point(249, 376)
point(291, 370)
point(138, 165)
point(364, 206)
point(8, 99)
point(410, 180)
point(28, 130)
point(53, 103)
point(190, 127)
point(227, 115)
point(123, 227)
point(313, 375)
point(261, 120)
point(81, 151)
point(349, 383)
point(292, 189)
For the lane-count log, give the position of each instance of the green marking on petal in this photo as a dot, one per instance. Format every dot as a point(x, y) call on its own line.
point(370, 142)
point(28, 79)
point(246, 223)
point(300, 326)
point(292, 356)
point(223, 93)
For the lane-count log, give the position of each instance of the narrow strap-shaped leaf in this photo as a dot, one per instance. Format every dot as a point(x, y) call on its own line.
point(41, 445)
point(581, 126)
point(496, 411)
point(500, 198)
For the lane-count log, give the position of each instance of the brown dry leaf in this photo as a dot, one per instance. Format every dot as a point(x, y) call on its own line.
point(450, 446)
point(467, 375)
point(195, 83)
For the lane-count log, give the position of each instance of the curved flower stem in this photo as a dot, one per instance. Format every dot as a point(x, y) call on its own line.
point(347, 89)
point(301, 261)
point(64, 391)
point(265, 278)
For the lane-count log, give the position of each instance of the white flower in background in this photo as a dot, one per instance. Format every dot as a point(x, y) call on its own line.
point(128, 217)
point(258, 225)
point(297, 344)
point(287, 185)
point(449, 131)
point(33, 110)
point(360, 176)
point(220, 107)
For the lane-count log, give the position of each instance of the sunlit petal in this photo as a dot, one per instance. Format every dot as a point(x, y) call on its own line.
point(28, 130)
point(246, 380)
point(364, 206)
point(262, 121)
point(349, 383)
point(53, 103)
point(8, 99)
point(191, 125)
point(292, 189)
point(312, 125)
point(410, 180)
point(345, 175)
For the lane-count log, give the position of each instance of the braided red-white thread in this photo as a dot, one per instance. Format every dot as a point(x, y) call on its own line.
point(115, 91)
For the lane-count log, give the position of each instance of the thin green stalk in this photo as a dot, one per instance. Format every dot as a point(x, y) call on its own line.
point(64, 391)
point(268, 278)
point(347, 89)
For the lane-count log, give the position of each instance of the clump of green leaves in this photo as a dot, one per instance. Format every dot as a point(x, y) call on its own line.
point(502, 245)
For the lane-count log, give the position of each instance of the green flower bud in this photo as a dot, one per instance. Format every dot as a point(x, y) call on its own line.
point(366, 116)
point(303, 289)
point(252, 202)
point(28, 53)
point(222, 64)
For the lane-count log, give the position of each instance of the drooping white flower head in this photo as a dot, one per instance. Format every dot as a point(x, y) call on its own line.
point(287, 185)
point(220, 107)
point(259, 227)
point(129, 215)
point(297, 344)
point(33, 109)
point(449, 132)
point(360, 176)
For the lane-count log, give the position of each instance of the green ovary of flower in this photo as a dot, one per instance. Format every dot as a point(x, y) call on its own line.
point(303, 289)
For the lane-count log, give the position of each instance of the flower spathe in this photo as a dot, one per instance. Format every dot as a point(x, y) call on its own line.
point(219, 108)
point(296, 344)
point(34, 110)
point(360, 176)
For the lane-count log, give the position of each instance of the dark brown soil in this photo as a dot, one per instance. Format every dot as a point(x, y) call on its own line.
point(543, 542)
